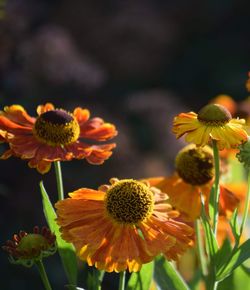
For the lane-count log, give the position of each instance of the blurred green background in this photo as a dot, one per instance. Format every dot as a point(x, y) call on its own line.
point(135, 64)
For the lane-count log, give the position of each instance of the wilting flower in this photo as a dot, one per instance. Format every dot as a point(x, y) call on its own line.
point(26, 248)
point(213, 122)
point(55, 135)
point(194, 175)
point(122, 226)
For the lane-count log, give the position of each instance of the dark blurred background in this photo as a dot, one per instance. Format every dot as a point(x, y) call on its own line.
point(135, 64)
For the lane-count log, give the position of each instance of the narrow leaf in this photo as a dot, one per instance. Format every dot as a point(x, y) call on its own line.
point(211, 243)
point(223, 253)
point(234, 226)
point(66, 250)
point(141, 280)
point(167, 277)
point(237, 258)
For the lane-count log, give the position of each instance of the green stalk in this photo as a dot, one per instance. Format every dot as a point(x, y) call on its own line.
point(245, 213)
point(200, 249)
point(122, 280)
point(216, 187)
point(59, 180)
point(43, 274)
point(100, 278)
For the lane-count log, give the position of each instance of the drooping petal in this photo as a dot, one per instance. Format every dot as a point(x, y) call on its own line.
point(228, 201)
point(87, 193)
point(17, 114)
point(100, 153)
point(96, 129)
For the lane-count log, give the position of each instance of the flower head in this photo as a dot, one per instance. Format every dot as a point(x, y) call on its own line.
point(213, 122)
point(194, 175)
point(26, 248)
point(122, 226)
point(55, 134)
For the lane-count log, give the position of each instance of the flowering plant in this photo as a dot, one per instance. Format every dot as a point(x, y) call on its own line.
point(140, 227)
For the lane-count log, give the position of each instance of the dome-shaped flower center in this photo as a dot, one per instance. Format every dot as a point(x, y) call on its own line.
point(195, 164)
point(31, 245)
point(214, 115)
point(56, 128)
point(129, 201)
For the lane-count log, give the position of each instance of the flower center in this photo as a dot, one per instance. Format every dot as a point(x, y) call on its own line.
point(56, 128)
point(214, 115)
point(32, 244)
point(195, 164)
point(129, 201)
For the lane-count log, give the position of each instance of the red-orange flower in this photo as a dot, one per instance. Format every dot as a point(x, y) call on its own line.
point(122, 226)
point(55, 135)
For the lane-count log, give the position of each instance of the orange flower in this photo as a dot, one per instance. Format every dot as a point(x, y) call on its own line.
point(55, 135)
point(122, 226)
point(194, 175)
point(185, 197)
point(213, 122)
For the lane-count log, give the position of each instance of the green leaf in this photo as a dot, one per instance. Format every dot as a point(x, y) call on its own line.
point(223, 253)
point(66, 250)
point(239, 256)
point(167, 277)
point(246, 268)
point(238, 280)
point(141, 280)
point(234, 226)
point(210, 240)
point(93, 277)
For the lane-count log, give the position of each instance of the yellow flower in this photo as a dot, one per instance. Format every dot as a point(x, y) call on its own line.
point(122, 226)
point(213, 122)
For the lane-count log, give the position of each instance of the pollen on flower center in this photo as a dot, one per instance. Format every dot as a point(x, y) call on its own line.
point(214, 115)
point(56, 127)
point(195, 164)
point(129, 201)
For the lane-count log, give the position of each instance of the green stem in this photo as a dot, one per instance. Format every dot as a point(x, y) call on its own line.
point(100, 278)
point(59, 180)
point(200, 249)
point(43, 274)
point(212, 285)
point(216, 187)
point(122, 280)
point(245, 213)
